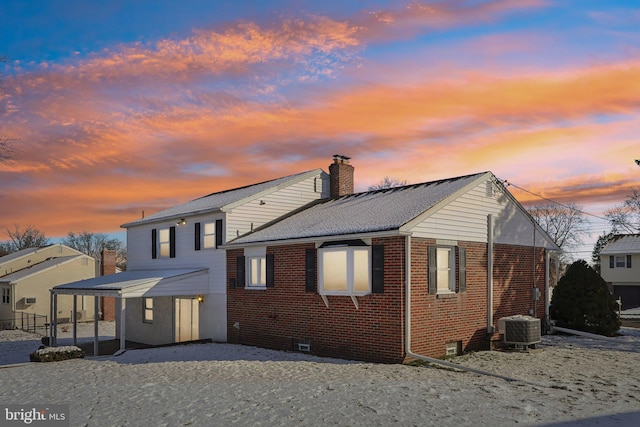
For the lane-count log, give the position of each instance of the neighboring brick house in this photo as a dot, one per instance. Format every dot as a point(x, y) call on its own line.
point(620, 268)
point(331, 278)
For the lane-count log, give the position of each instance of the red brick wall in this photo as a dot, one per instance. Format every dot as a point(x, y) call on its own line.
point(284, 315)
point(437, 321)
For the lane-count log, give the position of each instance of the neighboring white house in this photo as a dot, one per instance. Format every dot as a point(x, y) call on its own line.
point(174, 288)
point(620, 267)
point(27, 276)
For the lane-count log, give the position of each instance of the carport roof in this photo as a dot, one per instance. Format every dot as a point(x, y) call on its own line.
point(128, 283)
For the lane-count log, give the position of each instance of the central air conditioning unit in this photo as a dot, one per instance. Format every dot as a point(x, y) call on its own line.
point(520, 330)
point(81, 315)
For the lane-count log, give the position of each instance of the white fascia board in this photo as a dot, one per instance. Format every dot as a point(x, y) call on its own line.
point(408, 226)
point(263, 193)
point(175, 217)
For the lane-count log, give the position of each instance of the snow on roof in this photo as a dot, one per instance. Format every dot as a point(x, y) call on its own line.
point(216, 201)
point(37, 268)
point(372, 211)
point(623, 244)
point(127, 279)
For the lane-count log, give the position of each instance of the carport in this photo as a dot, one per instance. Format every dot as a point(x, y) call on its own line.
point(128, 284)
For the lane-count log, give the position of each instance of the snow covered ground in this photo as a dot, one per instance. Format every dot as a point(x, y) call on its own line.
point(572, 381)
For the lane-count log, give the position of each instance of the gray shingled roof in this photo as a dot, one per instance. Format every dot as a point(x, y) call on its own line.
point(216, 201)
point(372, 211)
point(623, 244)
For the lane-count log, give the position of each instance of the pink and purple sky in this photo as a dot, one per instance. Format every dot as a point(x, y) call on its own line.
point(121, 107)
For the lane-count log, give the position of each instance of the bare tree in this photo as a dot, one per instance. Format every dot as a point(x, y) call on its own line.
point(565, 224)
point(625, 218)
point(92, 244)
point(29, 237)
point(388, 182)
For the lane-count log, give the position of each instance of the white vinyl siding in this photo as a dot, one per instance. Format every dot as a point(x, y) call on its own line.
point(265, 209)
point(465, 219)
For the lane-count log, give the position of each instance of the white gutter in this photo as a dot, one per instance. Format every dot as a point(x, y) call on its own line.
point(408, 331)
point(490, 327)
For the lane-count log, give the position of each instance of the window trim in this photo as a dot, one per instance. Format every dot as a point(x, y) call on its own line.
point(451, 269)
point(213, 235)
point(350, 251)
point(262, 270)
point(6, 295)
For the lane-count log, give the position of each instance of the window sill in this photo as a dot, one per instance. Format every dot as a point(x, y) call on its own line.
point(446, 295)
point(255, 288)
point(345, 294)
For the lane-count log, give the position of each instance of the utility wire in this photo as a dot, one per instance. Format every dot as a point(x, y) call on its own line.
point(507, 184)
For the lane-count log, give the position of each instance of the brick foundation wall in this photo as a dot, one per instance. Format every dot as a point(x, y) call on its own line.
point(285, 315)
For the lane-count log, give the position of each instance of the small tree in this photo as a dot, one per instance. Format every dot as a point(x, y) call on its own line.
point(581, 300)
point(388, 183)
point(603, 240)
point(92, 244)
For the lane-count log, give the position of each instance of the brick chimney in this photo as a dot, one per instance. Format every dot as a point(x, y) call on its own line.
point(341, 172)
point(108, 266)
point(107, 262)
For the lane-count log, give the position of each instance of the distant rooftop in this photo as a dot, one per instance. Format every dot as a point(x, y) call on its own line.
point(622, 244)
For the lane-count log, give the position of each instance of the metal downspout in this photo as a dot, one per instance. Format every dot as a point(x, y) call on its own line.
point(408, 331)
point(490, 326)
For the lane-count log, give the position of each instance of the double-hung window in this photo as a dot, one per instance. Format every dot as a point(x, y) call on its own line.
point(257, 271)
point(6, 295)
point(209, 235)
point(164, 242)
point(620, 261)
point(344, 270)
point(447, 269)
point(147, 310)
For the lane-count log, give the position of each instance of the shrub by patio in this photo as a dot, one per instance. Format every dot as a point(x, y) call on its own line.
point(55, 354)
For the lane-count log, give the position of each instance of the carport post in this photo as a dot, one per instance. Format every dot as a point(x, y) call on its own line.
point(75, 319)
point(95, 326)
point(50, 318)
point(123, 302)
point(54, 321)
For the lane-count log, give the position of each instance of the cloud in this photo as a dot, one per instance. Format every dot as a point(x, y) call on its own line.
point(145, 126)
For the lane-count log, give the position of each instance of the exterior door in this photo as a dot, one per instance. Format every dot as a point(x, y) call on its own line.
point(187, 319)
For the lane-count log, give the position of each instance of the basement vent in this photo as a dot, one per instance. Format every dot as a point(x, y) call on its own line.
point(452, 348)
point(304, 347)
point(520, 330)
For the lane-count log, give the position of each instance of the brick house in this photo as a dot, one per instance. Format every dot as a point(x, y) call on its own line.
point(424, 269)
